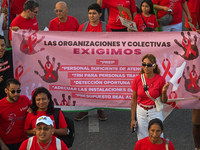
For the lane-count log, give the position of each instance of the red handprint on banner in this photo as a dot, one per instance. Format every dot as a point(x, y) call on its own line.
point(27, 45)
point(191, 84)
point(50, 75)
point(191, 51)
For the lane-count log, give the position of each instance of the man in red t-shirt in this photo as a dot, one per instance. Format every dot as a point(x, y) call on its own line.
point(13, 111)
point(94, 25)
point(43, 138)
point(63, 22)
point(27, 19)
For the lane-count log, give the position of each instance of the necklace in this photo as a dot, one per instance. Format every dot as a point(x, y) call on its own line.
point(149, 81)
point(46, 147)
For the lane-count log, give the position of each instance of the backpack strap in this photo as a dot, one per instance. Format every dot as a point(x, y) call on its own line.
point(85, 26)
point(56, 117)
point(29, 144)
point(167, 144)
point(103, 26)
point(58, 144)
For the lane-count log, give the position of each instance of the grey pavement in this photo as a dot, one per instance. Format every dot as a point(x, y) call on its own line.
point(114, 134)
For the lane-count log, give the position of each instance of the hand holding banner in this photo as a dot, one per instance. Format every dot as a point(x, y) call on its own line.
point(175, 80)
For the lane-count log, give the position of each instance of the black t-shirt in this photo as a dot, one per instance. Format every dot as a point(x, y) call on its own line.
point(6, 69)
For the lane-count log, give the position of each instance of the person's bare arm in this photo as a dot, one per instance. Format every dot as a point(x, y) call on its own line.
point(159, 7)
point(134, 14)
point(186, 10)
point(30, 132)
point(61, 131)
point(164, 96)
point(4, 27)
point(14, 28)
point(99, 2)
point(133, 109)
point(3, 145)
point(1, 78)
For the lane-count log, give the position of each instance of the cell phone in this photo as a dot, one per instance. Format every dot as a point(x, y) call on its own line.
point(134, 128)
point(170, 10)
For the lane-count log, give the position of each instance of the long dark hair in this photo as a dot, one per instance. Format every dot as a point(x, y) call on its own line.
point(150, 3)
point(152, 59)
point(50, 108)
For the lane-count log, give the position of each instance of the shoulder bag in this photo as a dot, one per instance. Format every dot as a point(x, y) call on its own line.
point(150, 28)
point(166, 19)
point(158, 102)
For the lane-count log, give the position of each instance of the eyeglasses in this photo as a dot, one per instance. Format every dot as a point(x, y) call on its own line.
point(36, 12)
point(44, 129)
point(58, 10)
point(14, 91)
point(148, 65)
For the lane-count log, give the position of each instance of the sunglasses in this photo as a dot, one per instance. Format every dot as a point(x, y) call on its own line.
point(148, 65)
point(14, 91)
point(58, 10)
point(36, 12)
point(44, 129)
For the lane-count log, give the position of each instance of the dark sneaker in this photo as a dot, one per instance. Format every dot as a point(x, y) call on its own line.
point(101, 114)
point(81, 116)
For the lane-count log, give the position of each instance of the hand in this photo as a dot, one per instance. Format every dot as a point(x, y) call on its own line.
point(129, 30)
point(33, 131)
point(189, 19)
point(14, 28)
point(4, 147)
point(29, 110)
point(1, 78)
point(5, 12)
point(165, 87)
point(198, 31)
point(133, 123)
point(166, 9)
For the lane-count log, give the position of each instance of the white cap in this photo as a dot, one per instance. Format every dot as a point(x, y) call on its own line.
point(44, 119)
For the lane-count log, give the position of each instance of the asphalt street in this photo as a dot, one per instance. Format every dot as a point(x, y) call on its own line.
point(114, 134)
